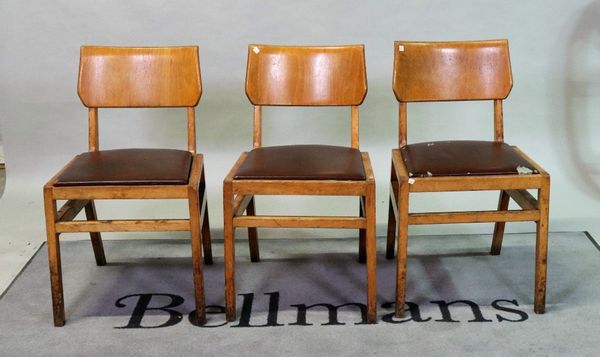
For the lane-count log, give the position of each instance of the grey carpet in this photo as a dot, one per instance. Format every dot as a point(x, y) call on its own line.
point(495, 317)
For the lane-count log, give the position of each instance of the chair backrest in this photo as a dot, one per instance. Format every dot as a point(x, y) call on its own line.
point(139, 77)
point(306, 76)
point(120, 77)
point(444, 71)
point(452, 71)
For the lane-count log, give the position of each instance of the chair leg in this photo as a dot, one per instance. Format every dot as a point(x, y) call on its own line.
point(229, 251)
point(90, 214)
point(52, 238)
point(362, 233)
point(401, 256)
point(541, 249)
point(206, 240)
point(371, 248)
point(196, 238)
point(499, 226)
point(253, 234)
point(391, 227)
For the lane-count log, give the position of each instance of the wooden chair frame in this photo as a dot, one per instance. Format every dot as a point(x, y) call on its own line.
point(510, 186)
point(238, 197)
point(83, 197)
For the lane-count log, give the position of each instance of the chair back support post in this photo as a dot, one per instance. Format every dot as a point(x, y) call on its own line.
point(402, 125)
point(93, 144)
point(354, 126)
point(191, 129)
point(498, 121)
point(257, 128)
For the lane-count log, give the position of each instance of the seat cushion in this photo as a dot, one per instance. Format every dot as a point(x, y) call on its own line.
point(302, 162)
point(128, 167)
point(462, 158)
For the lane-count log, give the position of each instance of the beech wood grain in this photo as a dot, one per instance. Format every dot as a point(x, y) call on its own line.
point(462, 71)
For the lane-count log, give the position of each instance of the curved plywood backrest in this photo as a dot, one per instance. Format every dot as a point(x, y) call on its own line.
point(441, 71)
point(139, 77)
point(306, 76)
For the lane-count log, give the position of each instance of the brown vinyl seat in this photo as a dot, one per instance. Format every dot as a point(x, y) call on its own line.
point(462, 158)
point(132, 77)
point(128, 167)
point(302, 76)
point(461, 71)
point(302, 162)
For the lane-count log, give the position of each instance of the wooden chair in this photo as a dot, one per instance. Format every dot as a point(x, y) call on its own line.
point(460, 71)
point(302, 76)
point(121, 77)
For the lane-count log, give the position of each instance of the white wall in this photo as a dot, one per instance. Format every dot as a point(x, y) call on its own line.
point(551, 113)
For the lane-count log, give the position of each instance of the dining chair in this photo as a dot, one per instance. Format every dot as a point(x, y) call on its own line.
point(131, 77)
point(461, 71)
point(301, 76)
